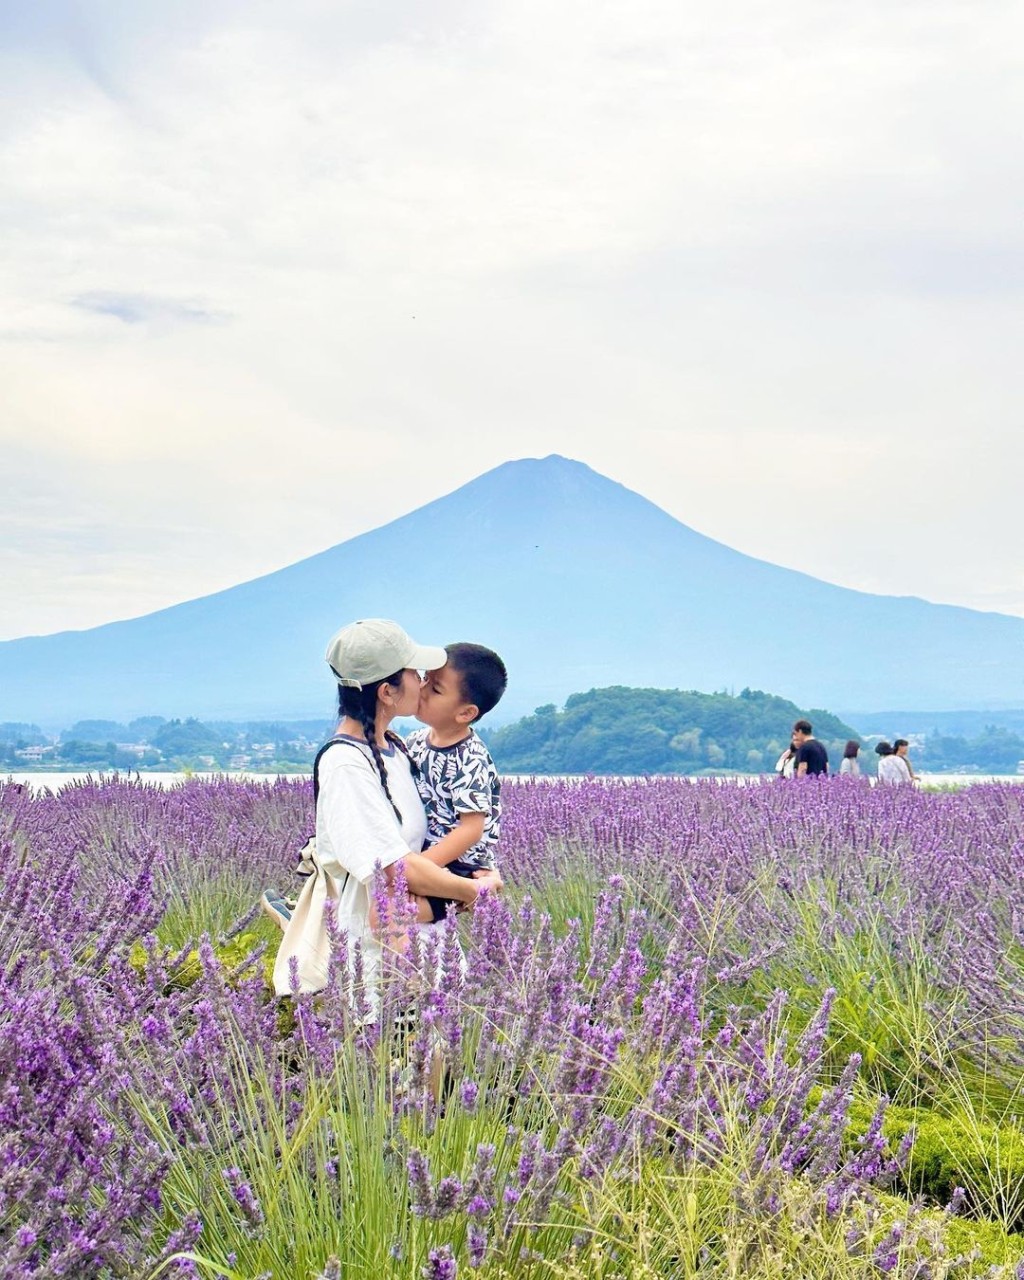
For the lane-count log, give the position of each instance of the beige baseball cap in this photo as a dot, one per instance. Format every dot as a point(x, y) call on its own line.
point(374, 648)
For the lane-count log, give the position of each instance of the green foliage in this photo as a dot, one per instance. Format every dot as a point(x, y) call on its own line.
point(142, 728)
point(232, 956)
point(993, 1245)
point(634, 731)
point(994, 750)
point(186, 745)
point(956, 1150)
point(99, 755)
point(23, 734)
point(183, 740)
point(15, 737)
point(96, 731)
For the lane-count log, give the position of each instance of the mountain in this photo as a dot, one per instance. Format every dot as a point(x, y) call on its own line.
point(577, 581)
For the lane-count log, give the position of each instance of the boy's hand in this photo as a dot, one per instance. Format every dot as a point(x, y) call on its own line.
point(490, 880)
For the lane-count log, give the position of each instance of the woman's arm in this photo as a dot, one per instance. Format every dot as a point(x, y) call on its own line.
point(424, 878)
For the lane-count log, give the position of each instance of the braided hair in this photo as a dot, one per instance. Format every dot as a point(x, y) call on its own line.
point(361, 705)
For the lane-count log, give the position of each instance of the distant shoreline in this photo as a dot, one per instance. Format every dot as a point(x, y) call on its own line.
point(39, 780)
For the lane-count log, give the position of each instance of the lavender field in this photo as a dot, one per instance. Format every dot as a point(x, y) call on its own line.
point(709, 1030)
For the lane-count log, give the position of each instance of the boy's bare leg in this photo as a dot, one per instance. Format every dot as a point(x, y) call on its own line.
point(396, 937)
point(424, 911)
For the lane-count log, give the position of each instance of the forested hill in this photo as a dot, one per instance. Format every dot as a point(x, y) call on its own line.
point(631, 731)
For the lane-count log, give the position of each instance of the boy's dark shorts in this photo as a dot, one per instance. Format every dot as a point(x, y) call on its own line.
point(439, 906)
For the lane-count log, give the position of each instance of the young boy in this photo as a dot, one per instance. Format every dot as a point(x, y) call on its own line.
point(458, 783)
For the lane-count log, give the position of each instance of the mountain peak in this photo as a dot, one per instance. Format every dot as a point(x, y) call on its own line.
point(576, 580)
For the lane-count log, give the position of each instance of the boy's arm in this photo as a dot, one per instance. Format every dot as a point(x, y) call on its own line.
point(458, 841)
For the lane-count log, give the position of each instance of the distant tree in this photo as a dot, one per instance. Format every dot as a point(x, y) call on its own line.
point(687, 743)
point(143, 728)
point(269, 731)
point(185, 740)
point(994, 750)
point(997, 750)
point(92, 754)
point(96, 731)
point(621, 730)
point(28, 735)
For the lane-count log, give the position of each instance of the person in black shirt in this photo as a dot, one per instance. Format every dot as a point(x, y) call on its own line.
point(811, 756)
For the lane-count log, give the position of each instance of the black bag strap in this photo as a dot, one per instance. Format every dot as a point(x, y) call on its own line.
point(393, 738)
point(316, 763)
point(337, 740)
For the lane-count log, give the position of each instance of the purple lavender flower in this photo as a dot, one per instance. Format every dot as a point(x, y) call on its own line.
point(420, 1187)
point(441, 1264)
point(476, 1243)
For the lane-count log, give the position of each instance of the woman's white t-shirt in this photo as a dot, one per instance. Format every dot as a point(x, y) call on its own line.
point(357, 831)
point(894, 771)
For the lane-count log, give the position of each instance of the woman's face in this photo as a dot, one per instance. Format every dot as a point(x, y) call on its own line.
point(405, 699)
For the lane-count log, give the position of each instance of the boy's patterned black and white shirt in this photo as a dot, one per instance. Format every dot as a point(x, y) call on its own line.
point(458, 779)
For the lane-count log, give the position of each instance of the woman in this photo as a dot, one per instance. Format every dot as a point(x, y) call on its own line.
point(850, 763)
point(368, 813)
point(901, 747)
point(893, 770)
point(786, 763)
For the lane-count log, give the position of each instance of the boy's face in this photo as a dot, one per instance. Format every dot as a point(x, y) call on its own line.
point(442, 702)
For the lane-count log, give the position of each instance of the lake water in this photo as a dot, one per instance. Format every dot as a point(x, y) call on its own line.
point(57, 781)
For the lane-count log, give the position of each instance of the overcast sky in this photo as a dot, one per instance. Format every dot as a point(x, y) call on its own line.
point(273, 274)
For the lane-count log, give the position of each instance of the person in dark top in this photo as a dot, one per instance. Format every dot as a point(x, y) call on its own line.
point(811, 756)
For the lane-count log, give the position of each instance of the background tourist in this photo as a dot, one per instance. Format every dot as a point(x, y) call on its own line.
point(900, 748)
point(811, 756)
point(849, 763)
point(893, 770)
point(786, 763)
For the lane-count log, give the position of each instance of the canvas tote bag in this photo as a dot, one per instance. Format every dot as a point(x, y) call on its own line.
point(306, 937)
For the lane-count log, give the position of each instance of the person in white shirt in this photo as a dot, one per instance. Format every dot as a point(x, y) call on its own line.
point(893, 770)
point(849, 763)
point(900, 747)
point(786, 763)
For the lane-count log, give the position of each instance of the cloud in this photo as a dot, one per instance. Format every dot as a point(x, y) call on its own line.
point(305, 269)
point(138, 308)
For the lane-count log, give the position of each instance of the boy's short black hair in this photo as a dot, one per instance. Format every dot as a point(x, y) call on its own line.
point(803, 726)
point(481, 673)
